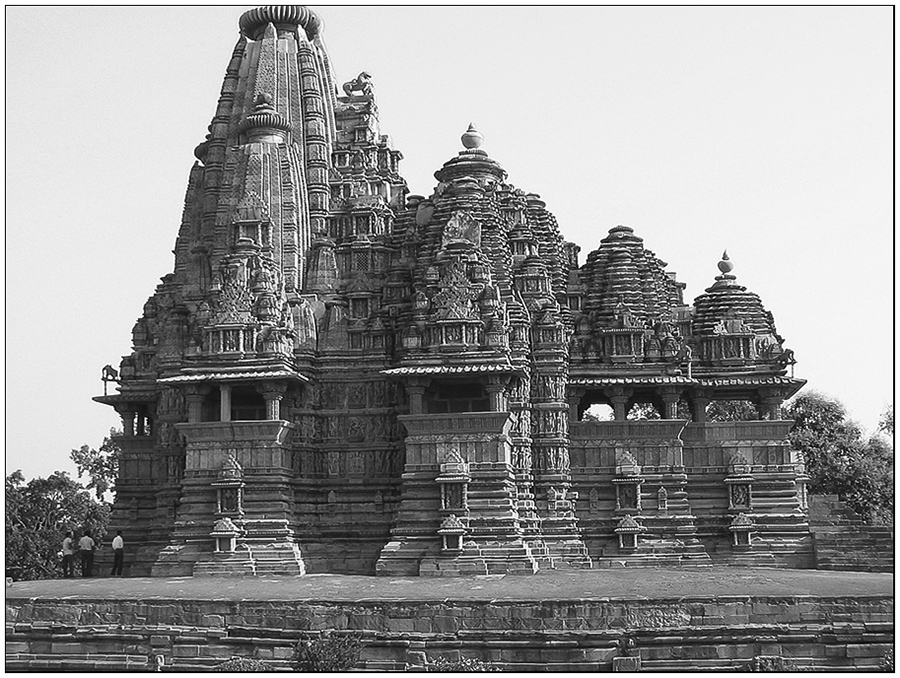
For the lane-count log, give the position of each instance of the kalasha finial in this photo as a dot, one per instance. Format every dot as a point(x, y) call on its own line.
point(725, 265)
point(472, 138)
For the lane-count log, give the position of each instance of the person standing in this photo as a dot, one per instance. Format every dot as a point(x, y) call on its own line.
point(68, 555)
point(118, 545)
point(86, 548)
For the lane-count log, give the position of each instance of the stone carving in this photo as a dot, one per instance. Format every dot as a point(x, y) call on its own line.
point(662, 499)
point(462, 227)
point(455, 301)
point(231, 469)
point(362, 83)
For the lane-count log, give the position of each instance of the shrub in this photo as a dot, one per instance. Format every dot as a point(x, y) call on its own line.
point(329, 652)
point(887, 660)
point(242, 665)
point(467, 664)
point(772, 663)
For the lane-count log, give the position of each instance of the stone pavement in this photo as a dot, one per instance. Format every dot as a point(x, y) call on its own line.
point(649, 583)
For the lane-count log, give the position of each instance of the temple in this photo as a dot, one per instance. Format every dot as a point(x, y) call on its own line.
point(339, 376)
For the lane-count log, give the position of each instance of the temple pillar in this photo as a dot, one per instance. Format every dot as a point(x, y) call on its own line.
point(619, 411)
point(128, 416)
point(698, 409)
point(770, 408)
point(194, 396)
point(496, 390)
point(224, 402)
point(770, 401)
point(273, 392)
point(415, 389)
point(618, 396)
point(670, 396)
point(574, 400)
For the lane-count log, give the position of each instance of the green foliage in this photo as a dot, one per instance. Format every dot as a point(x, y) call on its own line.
point(731, 410)
point(242, 665)
point(640, 411)
point(329, 652)
point(839, 460)
point(886, 422)
point(38, 514)
point(101, 466)
point(463, 664)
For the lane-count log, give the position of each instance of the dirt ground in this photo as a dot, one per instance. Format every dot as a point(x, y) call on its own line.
point(632, 583)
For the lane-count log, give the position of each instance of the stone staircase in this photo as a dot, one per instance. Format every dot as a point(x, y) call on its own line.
point(657, 552)
point(843, 541)
point(252, 560)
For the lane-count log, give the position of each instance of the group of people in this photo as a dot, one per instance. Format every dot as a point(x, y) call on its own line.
point(84, 549)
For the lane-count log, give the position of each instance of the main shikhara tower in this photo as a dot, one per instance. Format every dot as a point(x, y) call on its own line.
point(342, 377)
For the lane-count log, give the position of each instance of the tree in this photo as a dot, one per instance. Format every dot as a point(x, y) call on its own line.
point(886, 422)
point(101, 466)
point(731, 410)
point(839, 460)
point(38, 514)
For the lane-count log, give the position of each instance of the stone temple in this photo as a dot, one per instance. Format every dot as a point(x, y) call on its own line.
point(338, 376)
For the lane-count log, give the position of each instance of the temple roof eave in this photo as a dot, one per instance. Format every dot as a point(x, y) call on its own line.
point(201, 375)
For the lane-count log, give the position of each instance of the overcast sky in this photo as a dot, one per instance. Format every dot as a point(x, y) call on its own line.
point(764, 130)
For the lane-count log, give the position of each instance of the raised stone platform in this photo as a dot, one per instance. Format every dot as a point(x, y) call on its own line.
point(677, 619)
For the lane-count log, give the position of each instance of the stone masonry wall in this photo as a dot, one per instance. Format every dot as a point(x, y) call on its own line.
point(721, 632)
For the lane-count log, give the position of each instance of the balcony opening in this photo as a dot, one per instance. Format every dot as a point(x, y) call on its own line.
point(456, 396)
point(247, 404)
point(598, 412)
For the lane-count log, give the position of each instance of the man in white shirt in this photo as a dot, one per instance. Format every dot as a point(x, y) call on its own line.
point(68, 555)
point(118, 545)
point(86, 548)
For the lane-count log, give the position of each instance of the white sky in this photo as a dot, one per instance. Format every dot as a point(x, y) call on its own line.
point(764, 130)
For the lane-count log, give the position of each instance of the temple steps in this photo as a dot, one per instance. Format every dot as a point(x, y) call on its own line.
point(843, 541)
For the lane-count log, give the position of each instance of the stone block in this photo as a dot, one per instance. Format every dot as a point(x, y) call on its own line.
point(369, 622)
point(282, 652)
point(873, 650)
point(626, 664)
point(213, 620)
point(599, 654)
point(186, 651)
point(15, 648)
point(400, 625)
point(802, 650)
point(445, 624)
point(67, 648)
